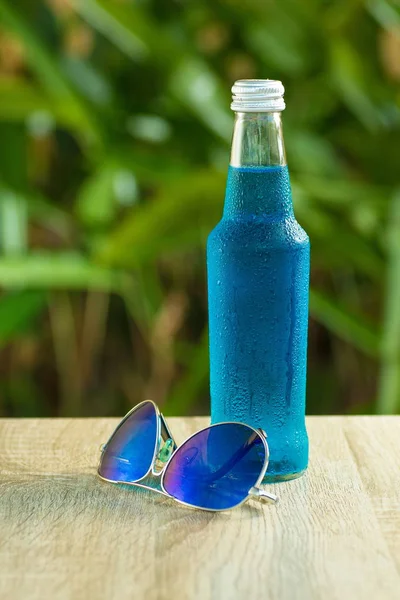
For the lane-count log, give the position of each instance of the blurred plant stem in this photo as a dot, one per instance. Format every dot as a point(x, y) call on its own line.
point(64, 335)
point(389, 385)
point(166, 326)
point(193, 382)
point(93, 333)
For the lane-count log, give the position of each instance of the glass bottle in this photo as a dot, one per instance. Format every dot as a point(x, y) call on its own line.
point(258, 282)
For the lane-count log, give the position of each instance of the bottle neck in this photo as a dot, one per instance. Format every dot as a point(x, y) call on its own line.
point(258, 179)
point(258, 140)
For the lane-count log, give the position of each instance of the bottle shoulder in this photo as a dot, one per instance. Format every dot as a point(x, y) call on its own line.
point(259, 232)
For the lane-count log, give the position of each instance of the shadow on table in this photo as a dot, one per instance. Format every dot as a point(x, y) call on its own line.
point(79, 494)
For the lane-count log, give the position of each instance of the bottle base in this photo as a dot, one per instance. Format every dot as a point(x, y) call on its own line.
point(277, 477)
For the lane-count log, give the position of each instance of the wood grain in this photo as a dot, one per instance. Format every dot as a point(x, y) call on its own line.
point(64, 534)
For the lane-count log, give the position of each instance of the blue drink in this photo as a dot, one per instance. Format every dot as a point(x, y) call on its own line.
point(258, 280)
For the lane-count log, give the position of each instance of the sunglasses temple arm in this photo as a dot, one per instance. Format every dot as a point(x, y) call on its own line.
point(263, 495)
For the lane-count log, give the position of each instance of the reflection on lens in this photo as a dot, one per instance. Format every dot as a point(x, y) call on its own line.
point(217, 467)
point(129, 453)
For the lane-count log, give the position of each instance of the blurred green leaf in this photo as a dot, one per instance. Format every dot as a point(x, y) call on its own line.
point(192, 82)
point(179, 217)
point(340, 13)
point(46, 67)
point(91, 83)
point(197, 87)
point(19, 101)
point(342, 192)
point(149, 128)
point(349, 248)
point(386, 14)
point(38, 56)
point(36, 207)
point(309, 153)
point(278, 37)
point(96, 204)
point(119, 23)
point(342, 323)
point(348, 75)
point(52, 271)
point(130, 28)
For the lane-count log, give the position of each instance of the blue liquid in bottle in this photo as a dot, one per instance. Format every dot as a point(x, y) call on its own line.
point(258, 282)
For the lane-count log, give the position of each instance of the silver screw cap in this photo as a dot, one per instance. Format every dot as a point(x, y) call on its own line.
point(257, 95)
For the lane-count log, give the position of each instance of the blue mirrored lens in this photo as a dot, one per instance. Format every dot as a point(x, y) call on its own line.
point(216, 468)
point(130, 451)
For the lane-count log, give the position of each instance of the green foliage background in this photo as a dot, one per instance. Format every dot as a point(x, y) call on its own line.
point(115, 130)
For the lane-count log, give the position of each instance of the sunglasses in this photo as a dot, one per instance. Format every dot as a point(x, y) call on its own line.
point(217, 468)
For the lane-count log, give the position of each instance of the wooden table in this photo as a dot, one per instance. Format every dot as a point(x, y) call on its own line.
point(64, 534)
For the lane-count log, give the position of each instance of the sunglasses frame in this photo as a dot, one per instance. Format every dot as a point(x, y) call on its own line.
point(163, 434)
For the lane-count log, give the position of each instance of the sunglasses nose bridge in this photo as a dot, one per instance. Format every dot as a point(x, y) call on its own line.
point(164, 454)
point(166, 450)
